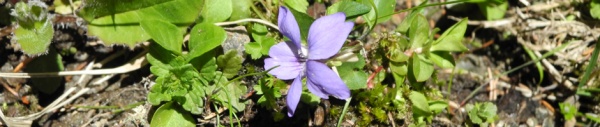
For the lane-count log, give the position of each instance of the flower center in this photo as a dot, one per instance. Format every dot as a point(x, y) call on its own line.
point(303, 53)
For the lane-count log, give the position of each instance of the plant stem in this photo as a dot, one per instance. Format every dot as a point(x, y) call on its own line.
point(344, 111)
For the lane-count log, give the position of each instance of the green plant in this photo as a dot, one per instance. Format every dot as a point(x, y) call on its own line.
point(482, 114)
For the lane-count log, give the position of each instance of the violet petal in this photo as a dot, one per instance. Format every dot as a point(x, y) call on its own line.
point(288, 26)
point(282, 55)
point(327, 35)
point(324, 81)
point(293, 95)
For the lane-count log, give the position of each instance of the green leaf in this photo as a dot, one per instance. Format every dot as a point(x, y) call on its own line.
point(35, 38)
point(117, 22)
point(407, 22)
point(206, 64)
point(451, 39)
point(241, 10)
point(216, 10)
point(385, 9)
point(442, 59)
point(254, 49)
point(205, 37)
point(399, 68)
point(298, 5)
point(64, 6)
point(230, 93)
point(258, 31)
point(595, 9)
point(350, 8)
point(488, 111)
point(418, 32)
point(304, 22)
point(230, 63)
point(164, 33)
point(493, 10)
point(310, 98)
point(437, 106)
point(51, 62)
point(159, 56)
point(193, 101)
point(568, 110)
point(422, 68)
point(352, 74)
point(171, 115)
point(419, 103)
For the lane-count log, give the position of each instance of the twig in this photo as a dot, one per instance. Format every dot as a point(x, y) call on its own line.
point(132, 65)
point(7, 87)
point(22, 64)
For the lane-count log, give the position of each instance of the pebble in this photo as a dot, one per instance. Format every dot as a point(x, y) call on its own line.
point(237, 37)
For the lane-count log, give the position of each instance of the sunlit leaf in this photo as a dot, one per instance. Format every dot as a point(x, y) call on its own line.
point(422, 68)
point(171, 115)
point(230, 63)
point(164, 33)
point(117, 22)
point(298, 5)
point(205, 37)
point(216, 10)
point(451, 39)
point(350, 8)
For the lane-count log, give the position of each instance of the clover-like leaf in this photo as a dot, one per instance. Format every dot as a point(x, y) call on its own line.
point(216, 10)
point(350, 8)
point(164, 34)
point(117, 22)
point(451, 39)
point(171, 115)
point(230, 63)
point(205, 37)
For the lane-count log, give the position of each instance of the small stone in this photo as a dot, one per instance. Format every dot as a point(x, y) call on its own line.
point(237, 37)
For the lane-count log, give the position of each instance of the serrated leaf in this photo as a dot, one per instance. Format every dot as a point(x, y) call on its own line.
point(451, 39)
point(205, 37)
point(230, 63)
point(171, 115)
point(266, 44)
point(206, 64)
point(216, 10)
point(51, 62)
point(442, 59)
point(419, 103)
point(35, 38)
point(194, 99)
point(241, 10)
point(258, 31)
point(422, 68)
point(488, 111)
point(350, 8)
point(419, 32)
point(385, 9)
point(230, 93)
point(117, 22)
point(298, 5)
point(164, 34)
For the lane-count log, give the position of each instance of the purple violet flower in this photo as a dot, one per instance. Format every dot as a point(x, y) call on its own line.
point(325, 38)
